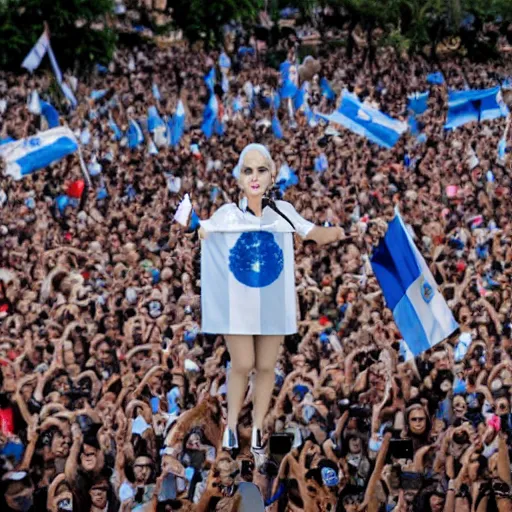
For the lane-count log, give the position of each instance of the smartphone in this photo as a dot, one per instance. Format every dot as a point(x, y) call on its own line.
point(247, 468)
point(280, 444)
point(400, 449)
point(155, 404)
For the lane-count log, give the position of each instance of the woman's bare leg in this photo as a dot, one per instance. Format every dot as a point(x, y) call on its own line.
point(241, 351)
point(267, 351)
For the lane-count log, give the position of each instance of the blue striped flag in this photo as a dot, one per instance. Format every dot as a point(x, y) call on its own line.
point(420, 311)
point(418, 102)
point(135, 135)
point(50, 114)
point(210, 116)
point(367, 121)
point(276, 128)
point(25, 156)
point(177, 125)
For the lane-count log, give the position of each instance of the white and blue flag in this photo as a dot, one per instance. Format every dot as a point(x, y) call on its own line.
point(135, 135)
point(25, 156)
point(367, 121)
point(417, 102)
point(474, 106)
point(420, 311)
point(248, 281)
point(177, 125)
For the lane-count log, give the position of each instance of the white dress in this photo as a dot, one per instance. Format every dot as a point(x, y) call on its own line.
point(247, 271)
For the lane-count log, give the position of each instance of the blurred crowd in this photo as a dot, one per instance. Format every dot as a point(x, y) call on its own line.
point(111, 398)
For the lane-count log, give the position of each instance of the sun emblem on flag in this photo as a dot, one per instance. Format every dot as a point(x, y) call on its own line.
point(256, 259)
point(427, 292)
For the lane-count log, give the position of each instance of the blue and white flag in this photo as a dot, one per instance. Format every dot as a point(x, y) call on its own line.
point(224, 61)
point(66, 90)
point(420, 311)
point(154, 119)
point(418, 102)
point(50, 114)
point(177, 125)
point(135, 135)
point(118, 134)
point(36, 54)
point(366, 121)
point(286, 178)
point(288, 86)
point(98, 94)
point(247, 282)
point(25, 156)
point(474, 106)
point(436, 78)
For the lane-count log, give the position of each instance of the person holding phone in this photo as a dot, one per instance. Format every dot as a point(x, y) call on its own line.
point(256, 175)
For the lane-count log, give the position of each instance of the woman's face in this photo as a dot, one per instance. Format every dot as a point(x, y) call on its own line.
point(354, 445)
point(89, 458)
point(60, 444)
point(255, 174)
point(460, 407)
point(141, 471)
point(104, 353)
point(98, 498)
point(417, 421)
point(436, 503)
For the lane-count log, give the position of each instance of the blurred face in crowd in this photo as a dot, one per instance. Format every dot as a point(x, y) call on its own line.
point(255, 174)
point(436, 503)
point(417, 421)
point(98, 496)
point(354, 445)
point(142, 470)
point(459, 406)
point(89, 457)
point(60, 444)
point(105, 353)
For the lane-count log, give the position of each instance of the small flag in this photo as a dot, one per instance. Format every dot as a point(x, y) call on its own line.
point(418, 102)
point(50, 114)
point(224, 61)
point(436, 78)
point(286, 178)
point(135, 136)
point(34, 104)
point(152, 149)
point(118, 134)
point(183, 211)
point(276, 127)
point(154, 119)
point(209, 80)
point(327, 90)
point(210, 116)
point(156, 92)
point(321, 163)
point(36, 54)
point(410, 290)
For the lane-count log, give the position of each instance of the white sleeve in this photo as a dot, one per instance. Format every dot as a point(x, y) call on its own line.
point(302, 226)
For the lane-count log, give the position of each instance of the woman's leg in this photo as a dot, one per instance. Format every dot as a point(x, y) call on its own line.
point(241, 351)
point(267, 351)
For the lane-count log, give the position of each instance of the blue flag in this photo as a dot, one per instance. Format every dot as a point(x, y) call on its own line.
point(50, 114)
point(326, 89)
point(367, 121)
point(177, 125)
point(436, 78)
point(288, 87)
point(210, 116)
point(420, 311)
point(298, 99)
point(286, 178)
point(154, 119)
point(417, 102)
point(276, 127)
point(156, 92)
point(118, 134)
point(209, 79)
point(474, 105)
point(135, 136)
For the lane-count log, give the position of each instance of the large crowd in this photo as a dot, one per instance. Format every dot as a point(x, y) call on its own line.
point(111, 398)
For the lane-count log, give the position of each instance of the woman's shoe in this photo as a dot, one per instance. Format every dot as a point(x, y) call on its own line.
point(257, 448)
point(229, 440)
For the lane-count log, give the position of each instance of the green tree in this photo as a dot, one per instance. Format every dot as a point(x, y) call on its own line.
point(76, 41)
point(204, 19)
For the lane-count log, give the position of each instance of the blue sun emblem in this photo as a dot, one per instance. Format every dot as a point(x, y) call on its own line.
point(256, 259)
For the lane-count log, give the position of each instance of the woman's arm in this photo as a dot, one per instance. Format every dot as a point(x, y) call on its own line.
point(503, 459)
point(325, 235)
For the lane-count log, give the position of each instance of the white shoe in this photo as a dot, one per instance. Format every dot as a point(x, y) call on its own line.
point(257, 449)
point(229, 440)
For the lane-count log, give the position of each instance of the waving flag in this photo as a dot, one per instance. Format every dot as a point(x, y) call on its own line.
point(118, 134)
point(36, 54)
point(276, 127)
point(154, 120)
point(135, 135)
point(326, 89)
point(474, 105)
point(209, 79)
point(420, 311)
point(299, 98)
point(25, 156)
point(436, 78)
point(288, 87)
point(177, 125)
point(417, 102)
point(50, 114)
point(209, 116)
point(156, 92)
point(367, 121)
point(286, 178)
point(34, 58)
